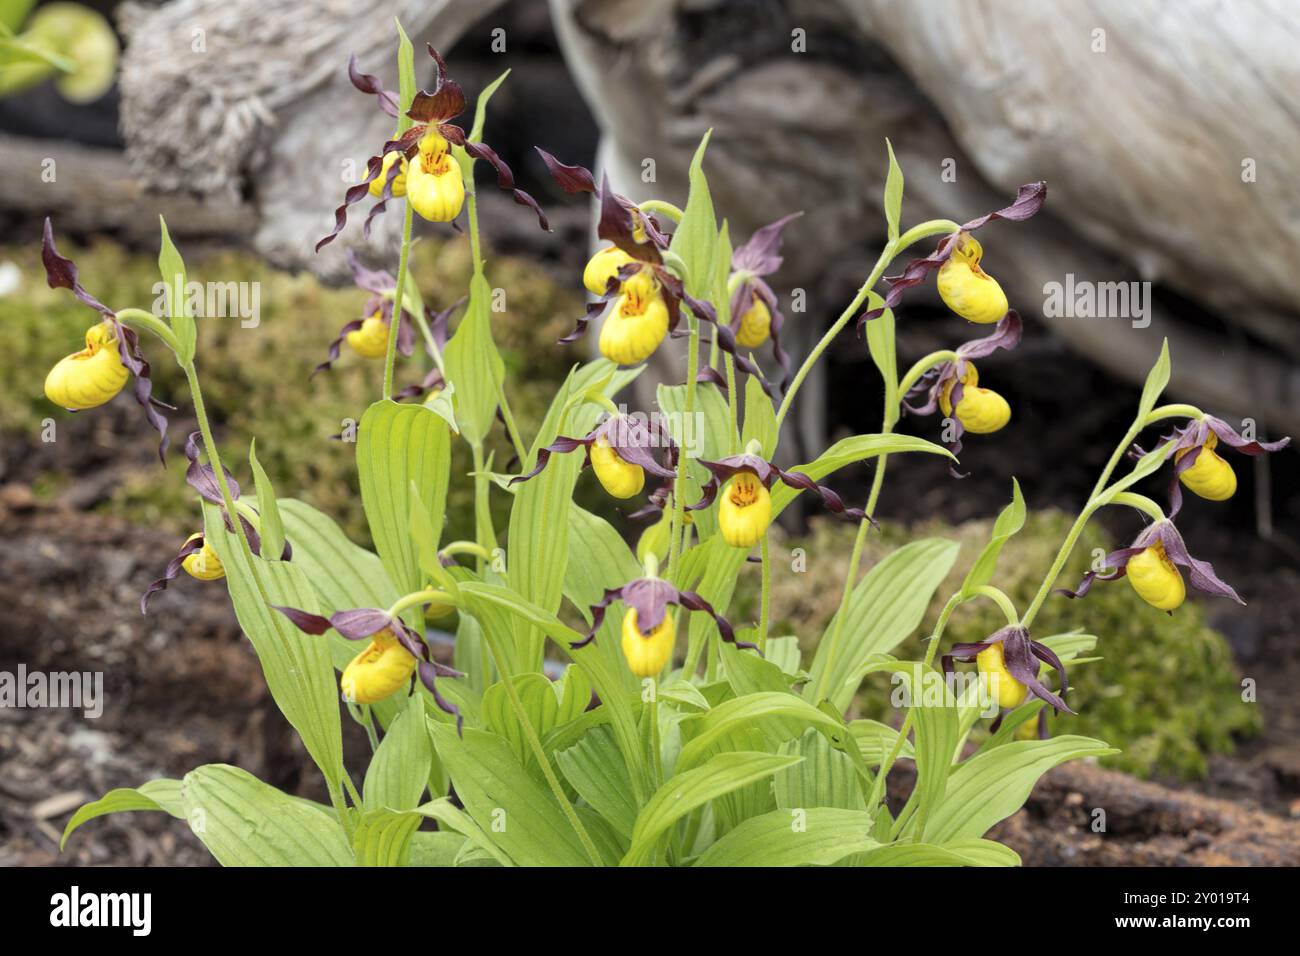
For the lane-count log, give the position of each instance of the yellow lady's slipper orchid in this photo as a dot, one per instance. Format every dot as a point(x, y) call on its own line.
point(966, 288)
point(204, 563)
point(371, 340)
point(648, 654)
point(602, 267)
point(622, 479)
point(1209, 476)
point(1029, 730)
point(91, 377)
point(754, 325)
point(378, 671)
point(434, 185)
point(980, 410)
point(637, 323)
point(1156, 579)
point(992, 666)
point(399, 183)
point(745, 510)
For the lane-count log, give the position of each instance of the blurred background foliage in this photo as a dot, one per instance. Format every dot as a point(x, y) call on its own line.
point(1166, 685)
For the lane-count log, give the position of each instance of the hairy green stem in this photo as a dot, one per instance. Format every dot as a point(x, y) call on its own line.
point(915, 234)
point(878, 787)
point(850, 579)
point(1072, 537)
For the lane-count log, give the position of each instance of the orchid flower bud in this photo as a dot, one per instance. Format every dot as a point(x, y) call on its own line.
point(91, 377)
point(966, 288)
point(622, 479)
point(399, 183)
point(371, 340)
point(637, 323)
point(602, 267)
point(981, 411)
point(1156, 579)
point(1209, 476)
point(744, 511)
point(991, 663)
point(648, 654)
point(755, 325)
point(204, 563)
point(378, 671)
point(434, 185)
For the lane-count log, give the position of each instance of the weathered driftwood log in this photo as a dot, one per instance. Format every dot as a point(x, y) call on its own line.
point(1149, 135)
point(1166, 140)
point(93, 189)
point(249, 101)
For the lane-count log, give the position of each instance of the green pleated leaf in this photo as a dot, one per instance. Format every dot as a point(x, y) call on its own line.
point(245, 822)
point(548, 705)
point(992, 785)
point(595, 769)
point(399, 445)
point(689, 790)
point(696, 236)
point(778, 716)
point(760, 417)
point(439, 849)
point(517, 813)
point(399, 770)
point(1010, 521)
point(936, 729)
point(875, 740)
point(845, 452)
point(599, 558)
point(826, 778)
point(298, 667)
point(451, 817)
point(1156, 381)
point(539, 519)
point(474, 365)
point(164, 795)
point(816, 836)
point(272, 526)
point(955, 853)
point(172, 269)
point(893, 193)
point(885, 607)
point(383, 837)
point(345, 575)
point(406, 82)
point(880, 342)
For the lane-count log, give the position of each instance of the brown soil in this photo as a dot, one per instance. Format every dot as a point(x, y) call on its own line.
point(183, 688)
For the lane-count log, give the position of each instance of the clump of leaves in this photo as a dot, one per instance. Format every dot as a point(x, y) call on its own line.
point(1165, 685)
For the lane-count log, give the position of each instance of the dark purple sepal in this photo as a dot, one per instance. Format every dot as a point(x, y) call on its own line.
point(202, 478)
point(368, 83)
point(128, 350)
point(1201, 574)
point(171, 572)
point(561, 445)
point(505, 178)
point(61, 272)
point(761, 254)
point(572, 179)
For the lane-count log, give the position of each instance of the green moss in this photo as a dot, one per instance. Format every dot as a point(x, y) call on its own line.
point(1166, 690)
point(256, 380)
